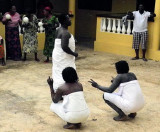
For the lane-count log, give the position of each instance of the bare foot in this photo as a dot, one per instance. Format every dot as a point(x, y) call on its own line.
point(3, 63)
point(144, 59)
point(78, 125)
point(69, 126)
point(120, 118)
point(46, 61)
point(24, 59)
point(37, 60)
point(132, 115)
point(135, 58)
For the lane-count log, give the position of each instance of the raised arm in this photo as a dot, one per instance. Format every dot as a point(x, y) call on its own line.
point(152, 15)
point(4, 20)
point(112, 88)
point(130, 15)
point(56, 97)
point(65, 43)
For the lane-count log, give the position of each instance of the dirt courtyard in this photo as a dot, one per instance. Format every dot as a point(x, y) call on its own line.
point(25, 95)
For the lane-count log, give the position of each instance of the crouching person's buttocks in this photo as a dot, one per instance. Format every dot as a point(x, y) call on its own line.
point(73, 108)
point(129, 98)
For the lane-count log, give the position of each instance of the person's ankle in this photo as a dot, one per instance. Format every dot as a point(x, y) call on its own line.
point(135, 58)
point(3, 63)
point(120, 117)
point(36, 59)
point(24, 59)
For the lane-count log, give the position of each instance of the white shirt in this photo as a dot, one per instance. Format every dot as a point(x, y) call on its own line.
point(140, 22)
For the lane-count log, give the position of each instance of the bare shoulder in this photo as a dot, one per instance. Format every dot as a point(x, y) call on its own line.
point(61, 33)
point(63, 87)
point(65, 34)
point(132, 74)
point(80, 86)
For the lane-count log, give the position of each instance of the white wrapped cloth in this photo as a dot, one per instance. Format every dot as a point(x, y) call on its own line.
point(129, 98)
point(72, 109)
point(61, 60)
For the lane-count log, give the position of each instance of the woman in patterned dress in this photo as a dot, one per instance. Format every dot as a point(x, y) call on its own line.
point(50, 24)
point(30, 42)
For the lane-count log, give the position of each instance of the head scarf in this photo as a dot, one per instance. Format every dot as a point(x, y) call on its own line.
point(48, 8)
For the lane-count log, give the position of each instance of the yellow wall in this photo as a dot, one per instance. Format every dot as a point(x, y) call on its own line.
point(2, 30)
point(122, 44)
point(72, 10)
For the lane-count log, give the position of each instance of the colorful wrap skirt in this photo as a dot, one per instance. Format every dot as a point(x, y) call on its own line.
point(13, 47)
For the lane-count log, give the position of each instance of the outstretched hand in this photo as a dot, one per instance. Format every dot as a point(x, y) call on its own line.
point(50, 81)
point(93, 83)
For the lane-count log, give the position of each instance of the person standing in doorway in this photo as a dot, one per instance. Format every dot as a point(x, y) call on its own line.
point(140, 31)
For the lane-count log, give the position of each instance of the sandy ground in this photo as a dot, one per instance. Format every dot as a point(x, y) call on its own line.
point(25, 96)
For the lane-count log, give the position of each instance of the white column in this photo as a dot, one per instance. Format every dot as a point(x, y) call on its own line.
point(103, 24)
point(109, 25)
point(129, 27)
point(114, 25)
point(41, 28)
point(123, 29)
point(119, 26)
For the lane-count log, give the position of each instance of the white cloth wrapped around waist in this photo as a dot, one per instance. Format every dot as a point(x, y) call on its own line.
point(73, 109)
point(129, 97)
point(61, 60)
point(74, 102)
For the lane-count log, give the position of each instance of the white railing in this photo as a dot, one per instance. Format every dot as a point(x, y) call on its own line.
point(115, 25)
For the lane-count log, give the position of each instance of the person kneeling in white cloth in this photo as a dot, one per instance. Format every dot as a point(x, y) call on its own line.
point(129, 98)
point(73, 109)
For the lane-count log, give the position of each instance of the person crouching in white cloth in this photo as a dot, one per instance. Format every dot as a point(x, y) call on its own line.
point(73, 109)
point(64, 51)
point(129, 98)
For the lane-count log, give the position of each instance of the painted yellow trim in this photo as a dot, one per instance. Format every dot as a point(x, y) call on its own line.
point(156, 28)
point(72, 4)
point(2, 30)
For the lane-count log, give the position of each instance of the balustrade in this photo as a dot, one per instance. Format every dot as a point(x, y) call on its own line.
point(115, 25)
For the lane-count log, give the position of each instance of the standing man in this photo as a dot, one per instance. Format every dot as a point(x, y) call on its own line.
point(140, 31)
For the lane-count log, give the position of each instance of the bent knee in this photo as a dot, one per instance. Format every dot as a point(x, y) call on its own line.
point(105, 99)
